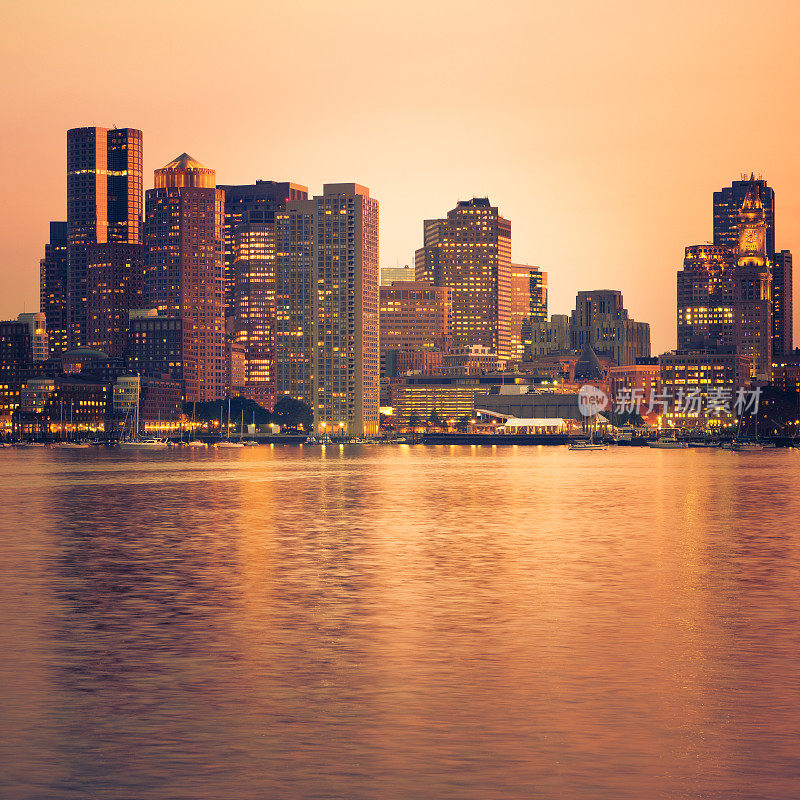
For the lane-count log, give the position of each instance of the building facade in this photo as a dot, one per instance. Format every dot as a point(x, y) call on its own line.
point(184, 274)
point(601, 321)
point(414, 315)
point(53, 282)
point(252, 203)
point(705, 299)
point(104, 205)
point(326, 286)
point(469, 253)
point(782, 303)
point(752, 285)
point(252, 308)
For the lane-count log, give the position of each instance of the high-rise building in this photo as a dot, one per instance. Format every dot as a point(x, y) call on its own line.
point(326, 274)
point(53, 278)
point(391, 274)
point(104, 205)
point(114, 286)
point(782, 303)
point(528, 302)
point(469, 252)
point(414, 316)
point(705, 299)
point(752, 291)
point(295, 290)
point(256, 202)
point(601, 321)
point(253, 307)
point(155, 344)
point(548, 337)
point(40, 340)
point(727, 204)
point(184, 235)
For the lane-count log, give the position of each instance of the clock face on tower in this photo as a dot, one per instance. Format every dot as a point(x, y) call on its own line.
point(750, 240)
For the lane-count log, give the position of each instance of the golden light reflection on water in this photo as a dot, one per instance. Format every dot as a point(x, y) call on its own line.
point(400, 622)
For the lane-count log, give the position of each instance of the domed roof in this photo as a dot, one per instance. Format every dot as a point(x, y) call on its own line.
point(85, 352)
point(588, 366)
point(184, 161)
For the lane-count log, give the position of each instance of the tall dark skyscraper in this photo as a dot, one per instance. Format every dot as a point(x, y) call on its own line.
point(727, 204)
point(782, 304)
point(252, 203)
point(53, 287)
point(104, 205)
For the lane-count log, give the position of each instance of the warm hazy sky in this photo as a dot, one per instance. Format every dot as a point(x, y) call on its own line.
point(599, 129)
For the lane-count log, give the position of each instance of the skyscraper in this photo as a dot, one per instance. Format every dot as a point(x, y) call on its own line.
point(782, 304)
point(53, 278)
point(414, 316)
point(253, 307)
point(469, 252)
point(752, 296)
point(528, 303)
point(184, 234)
point(600, 320)
point(326, 273)
point(104, 205)
point(256, 202)
point(705, 299)
point(727, 204)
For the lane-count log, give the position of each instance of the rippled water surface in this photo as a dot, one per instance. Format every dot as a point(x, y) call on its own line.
point(407, 622)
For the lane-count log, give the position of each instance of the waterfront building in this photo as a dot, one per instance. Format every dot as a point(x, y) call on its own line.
point(185, 269)
point(53, 282)
point(469, 252)
point(104, 205)
point(16, 355)
point(687, 372)
point(390, 275)
point(452, 397)
point(705, 299)
point(642, 380)
point(414, 315)
point(782, 303)
point(327, 330)
point(527, 403)
point(252, 309)
point(252, 203)
point(601, 321)
point(752, 289)
point(786, 371)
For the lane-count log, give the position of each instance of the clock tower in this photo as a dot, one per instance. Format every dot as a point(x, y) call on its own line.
point(752, 286)
point(752, 250)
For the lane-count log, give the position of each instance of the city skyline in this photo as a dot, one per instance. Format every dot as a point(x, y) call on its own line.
point(603, 192)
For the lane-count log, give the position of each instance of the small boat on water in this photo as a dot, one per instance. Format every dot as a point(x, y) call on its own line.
point(667, 443)
point(742, 446)
point(703, 444)
point(194, 443)
point(226, 444)
point(250, 443)
point(145, 444)
point(584, 445)
point(71, 445)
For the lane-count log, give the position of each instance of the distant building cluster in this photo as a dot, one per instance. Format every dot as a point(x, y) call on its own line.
point(210, 291)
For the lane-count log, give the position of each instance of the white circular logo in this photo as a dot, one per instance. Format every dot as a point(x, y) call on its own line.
point(591, 400)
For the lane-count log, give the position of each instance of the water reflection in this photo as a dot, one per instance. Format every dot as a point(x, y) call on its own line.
point(389, 623)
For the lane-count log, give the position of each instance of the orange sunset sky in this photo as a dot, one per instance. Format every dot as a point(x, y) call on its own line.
point(599, 129)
